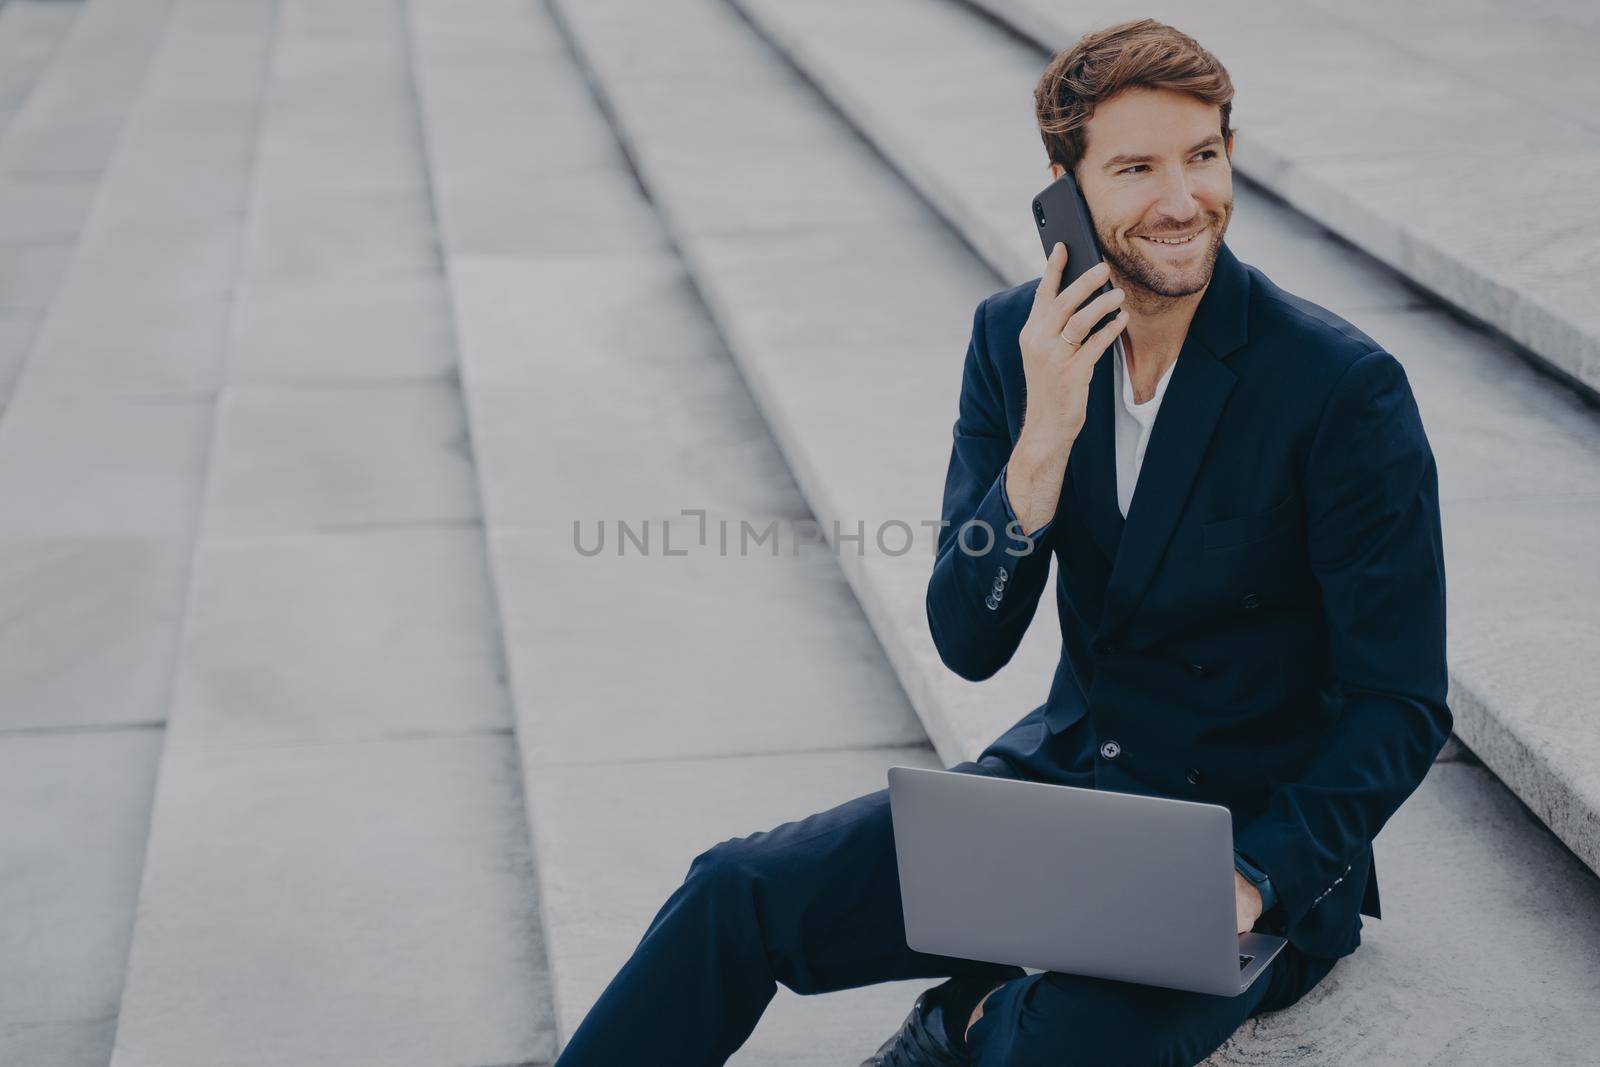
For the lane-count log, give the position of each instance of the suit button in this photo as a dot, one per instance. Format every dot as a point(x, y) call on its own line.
point(1110, 750)
point(991, 603)
point(1003, 574)
point(1250, 601)
point(999, 588)
point(1105, 648)
point(1193, 775)
point(1198, 670)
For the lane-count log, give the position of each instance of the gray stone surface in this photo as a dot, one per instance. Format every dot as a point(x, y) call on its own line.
point(94, 342)
point(338, 904)
point(334, 234)
point(732, 691)
point(614, 451)
point(340, 870)
point(29, 275)
point(91, 629)
point(91, 465)
point(299, 459)
point(792, 304)
point(75, 807)
point(102, 459)
point(59, 1044)
point(30, 33)
point(142, 306)
point(34, 211)
point(1523, 631)
point(1357, 130)
point(339, 637)
point(1499, 429)
point(65, 93)
point(776, 655)
point(385, 328)
point(16, 339)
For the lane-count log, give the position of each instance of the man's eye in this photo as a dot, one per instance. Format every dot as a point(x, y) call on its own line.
point(1210, 153)
point(1130, 170)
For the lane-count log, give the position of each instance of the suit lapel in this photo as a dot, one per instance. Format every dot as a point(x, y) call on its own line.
point(1189, 412)
point(1094, 460)
point(1190, 409)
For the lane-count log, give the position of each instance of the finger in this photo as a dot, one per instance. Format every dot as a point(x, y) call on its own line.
point(1076, 292)
point(1096, 344)
point(1083, 320)
point(1050, 283)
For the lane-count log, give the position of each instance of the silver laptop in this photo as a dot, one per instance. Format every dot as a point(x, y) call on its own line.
point(1082, 881)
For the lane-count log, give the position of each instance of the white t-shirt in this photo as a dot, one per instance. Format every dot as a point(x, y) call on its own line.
point(1133, 429)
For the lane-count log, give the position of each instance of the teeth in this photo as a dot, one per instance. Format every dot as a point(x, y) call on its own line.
point(1173, 240)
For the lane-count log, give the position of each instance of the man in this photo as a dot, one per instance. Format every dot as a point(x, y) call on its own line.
point(1260, 624)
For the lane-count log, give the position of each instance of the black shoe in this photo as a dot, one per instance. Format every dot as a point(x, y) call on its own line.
point(921, 1041)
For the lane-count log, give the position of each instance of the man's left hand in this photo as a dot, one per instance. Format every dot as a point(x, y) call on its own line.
point(1246, 902)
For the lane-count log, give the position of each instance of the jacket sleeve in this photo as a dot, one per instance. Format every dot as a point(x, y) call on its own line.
point(988, 573)
point(1258, 878)
point(1375, 546)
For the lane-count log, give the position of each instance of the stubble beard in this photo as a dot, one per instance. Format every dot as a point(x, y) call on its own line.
point(1150, 286)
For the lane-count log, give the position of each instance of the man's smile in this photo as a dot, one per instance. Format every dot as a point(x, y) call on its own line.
point(1174, 241)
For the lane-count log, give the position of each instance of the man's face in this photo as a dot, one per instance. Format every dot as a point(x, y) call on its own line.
point(1155, 169)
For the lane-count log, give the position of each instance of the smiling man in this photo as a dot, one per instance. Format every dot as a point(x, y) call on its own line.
point(1244, 516)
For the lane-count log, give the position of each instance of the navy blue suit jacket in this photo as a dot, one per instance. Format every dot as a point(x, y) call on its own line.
point(1265, 630)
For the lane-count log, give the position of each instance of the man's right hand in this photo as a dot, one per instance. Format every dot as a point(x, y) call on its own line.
point(1058, 359)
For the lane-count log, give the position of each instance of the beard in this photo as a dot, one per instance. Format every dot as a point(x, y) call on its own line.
point(1139, 271)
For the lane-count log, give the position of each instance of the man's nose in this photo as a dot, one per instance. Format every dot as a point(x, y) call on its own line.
point(1177, 199)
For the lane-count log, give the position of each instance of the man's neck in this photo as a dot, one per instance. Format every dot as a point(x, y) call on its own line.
point(1154, 335)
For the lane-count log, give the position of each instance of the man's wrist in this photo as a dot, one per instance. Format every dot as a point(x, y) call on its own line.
point(1258, 879)
point(1032, 480)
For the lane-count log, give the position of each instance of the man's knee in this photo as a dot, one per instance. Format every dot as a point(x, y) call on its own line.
point(726, 866)
point(1064, 1020)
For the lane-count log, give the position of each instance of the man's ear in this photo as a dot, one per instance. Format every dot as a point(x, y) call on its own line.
point(1231, 135)
point(1056, 171)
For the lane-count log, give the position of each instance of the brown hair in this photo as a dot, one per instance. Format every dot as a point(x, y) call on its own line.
point(1144, 54)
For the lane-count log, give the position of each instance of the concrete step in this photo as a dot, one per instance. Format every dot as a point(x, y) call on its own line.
point(30, 33)
point(784, 234)
point(663, 702)
point(1356, 129)
point(837, 291)
point(1518, 455)
point(339, 869)
point(101, 484)
point(70, 75)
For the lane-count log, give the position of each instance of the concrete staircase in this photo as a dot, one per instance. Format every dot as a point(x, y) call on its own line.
point(774, 266)
point(338, 835)
point(103, 276)
point(329, 336)
point(663, 702)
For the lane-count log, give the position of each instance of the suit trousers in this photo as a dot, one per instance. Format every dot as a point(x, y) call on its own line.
point(815, 904)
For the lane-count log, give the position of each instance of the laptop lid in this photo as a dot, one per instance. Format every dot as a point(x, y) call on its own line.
point(1053, 877)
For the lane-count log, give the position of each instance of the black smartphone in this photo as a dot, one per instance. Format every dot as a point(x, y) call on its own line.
point(1061, 214)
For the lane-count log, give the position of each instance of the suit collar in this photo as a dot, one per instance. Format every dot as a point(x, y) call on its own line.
point(1190, 409)
point(1222, 319)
